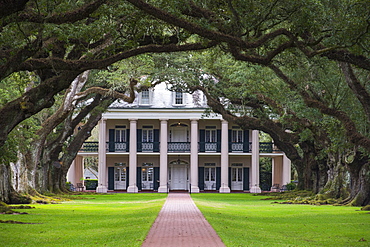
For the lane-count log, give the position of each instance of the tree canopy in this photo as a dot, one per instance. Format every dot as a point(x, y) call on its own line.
point(297, 70)
point(315, 52)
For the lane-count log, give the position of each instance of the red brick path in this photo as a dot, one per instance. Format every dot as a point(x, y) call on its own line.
point(181, 224)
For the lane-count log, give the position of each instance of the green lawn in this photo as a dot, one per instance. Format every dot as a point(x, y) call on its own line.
point(239, 219)
point(107, 220)
point(246, 220)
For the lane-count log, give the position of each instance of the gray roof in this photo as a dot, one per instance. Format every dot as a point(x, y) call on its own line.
point(162, 97)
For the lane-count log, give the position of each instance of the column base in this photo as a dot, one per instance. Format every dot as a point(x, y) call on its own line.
point(194, 189)
point(101, 189)
point(132, 189)
point(255, 189)
point(274, 189)
point(225, 189)
point(163, 189)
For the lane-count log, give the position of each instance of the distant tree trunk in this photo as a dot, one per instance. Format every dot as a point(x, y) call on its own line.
point(48, 161)
point(58, 160)
point(8, 193)
point(311, 171)
point(5, 183)
point(336, 186)
point(359, 171)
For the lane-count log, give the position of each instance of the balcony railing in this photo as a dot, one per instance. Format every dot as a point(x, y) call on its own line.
point(237, 147)
point(121, 146)
point(268, 147)
point(178, 147)
point(265, 147)
point(148, 147)
point(90, 147)
point(209, 147)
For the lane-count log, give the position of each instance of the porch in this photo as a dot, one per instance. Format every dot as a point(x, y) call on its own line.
point(180, 147)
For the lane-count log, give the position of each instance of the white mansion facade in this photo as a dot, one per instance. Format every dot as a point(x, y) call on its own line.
point(164, 141)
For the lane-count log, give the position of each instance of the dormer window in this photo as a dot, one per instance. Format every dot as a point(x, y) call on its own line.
point(145, 97)
point(179, 98)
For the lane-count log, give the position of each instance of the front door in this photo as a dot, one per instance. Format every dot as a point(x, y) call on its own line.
point(236, 178)
point(119, 178)
point(210, 178)
point(179, 134)
point(147, 174)
point(178, 177)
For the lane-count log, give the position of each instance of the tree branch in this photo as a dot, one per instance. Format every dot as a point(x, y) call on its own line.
point(358, 89)
point(352, 134)
point(61, 18)
point(109, 92)
point(206, 33)
point(82, 65)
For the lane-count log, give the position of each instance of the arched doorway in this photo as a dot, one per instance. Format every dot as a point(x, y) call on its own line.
point(178, 175)
point(179, 133)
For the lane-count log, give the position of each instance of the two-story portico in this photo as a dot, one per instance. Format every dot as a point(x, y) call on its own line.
point(164, 141)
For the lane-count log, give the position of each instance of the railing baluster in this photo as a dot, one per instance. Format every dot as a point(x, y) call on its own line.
point(265, 147)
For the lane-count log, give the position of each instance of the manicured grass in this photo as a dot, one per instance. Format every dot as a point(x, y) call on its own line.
point(246, 220)
point(98, 220)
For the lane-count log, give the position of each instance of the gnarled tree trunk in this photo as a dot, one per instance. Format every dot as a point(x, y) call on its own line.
point(359, 170)
point(337, 184)
point(5, 183)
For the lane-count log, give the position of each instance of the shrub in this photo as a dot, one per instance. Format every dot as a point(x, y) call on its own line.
point(291, 186)
point(91, 184)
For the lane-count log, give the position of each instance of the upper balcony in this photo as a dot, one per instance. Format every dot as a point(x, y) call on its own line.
point(179, 147)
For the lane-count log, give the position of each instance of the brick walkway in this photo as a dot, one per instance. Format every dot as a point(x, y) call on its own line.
point(181, 224)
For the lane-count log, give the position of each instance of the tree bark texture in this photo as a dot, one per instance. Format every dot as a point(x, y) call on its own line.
point(5, 183)
point(337, 184)
point(359, 171)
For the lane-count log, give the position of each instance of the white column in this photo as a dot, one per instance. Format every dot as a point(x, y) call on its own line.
point(163, 159)
point(224, 157)
point(76, 171)
point(194, 156)
point(132, 187)
point(102, 167)
point(71, 172)
point(255, 180)
point(287, 166)
point(277, 173)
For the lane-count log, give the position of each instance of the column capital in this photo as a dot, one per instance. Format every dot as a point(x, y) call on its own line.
point(132, 119)
point(194, 119)
point(163, 119)
point(224, 121)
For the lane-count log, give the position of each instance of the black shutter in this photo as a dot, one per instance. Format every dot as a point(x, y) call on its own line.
point(139, 138)
point(246, 178)
point(201, 178)
point(202, 139)
point(127, 177)
point(156, 178)
point(229, 137)
point(138, 178)
point(128, 140)
point(229, 178)
point(111, 145)
point(110, 178)
point(156, 140)
point(246, 141)
point(218, 178)
point(218, 141)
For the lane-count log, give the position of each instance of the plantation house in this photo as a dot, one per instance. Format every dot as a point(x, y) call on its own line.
point(164, 141)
